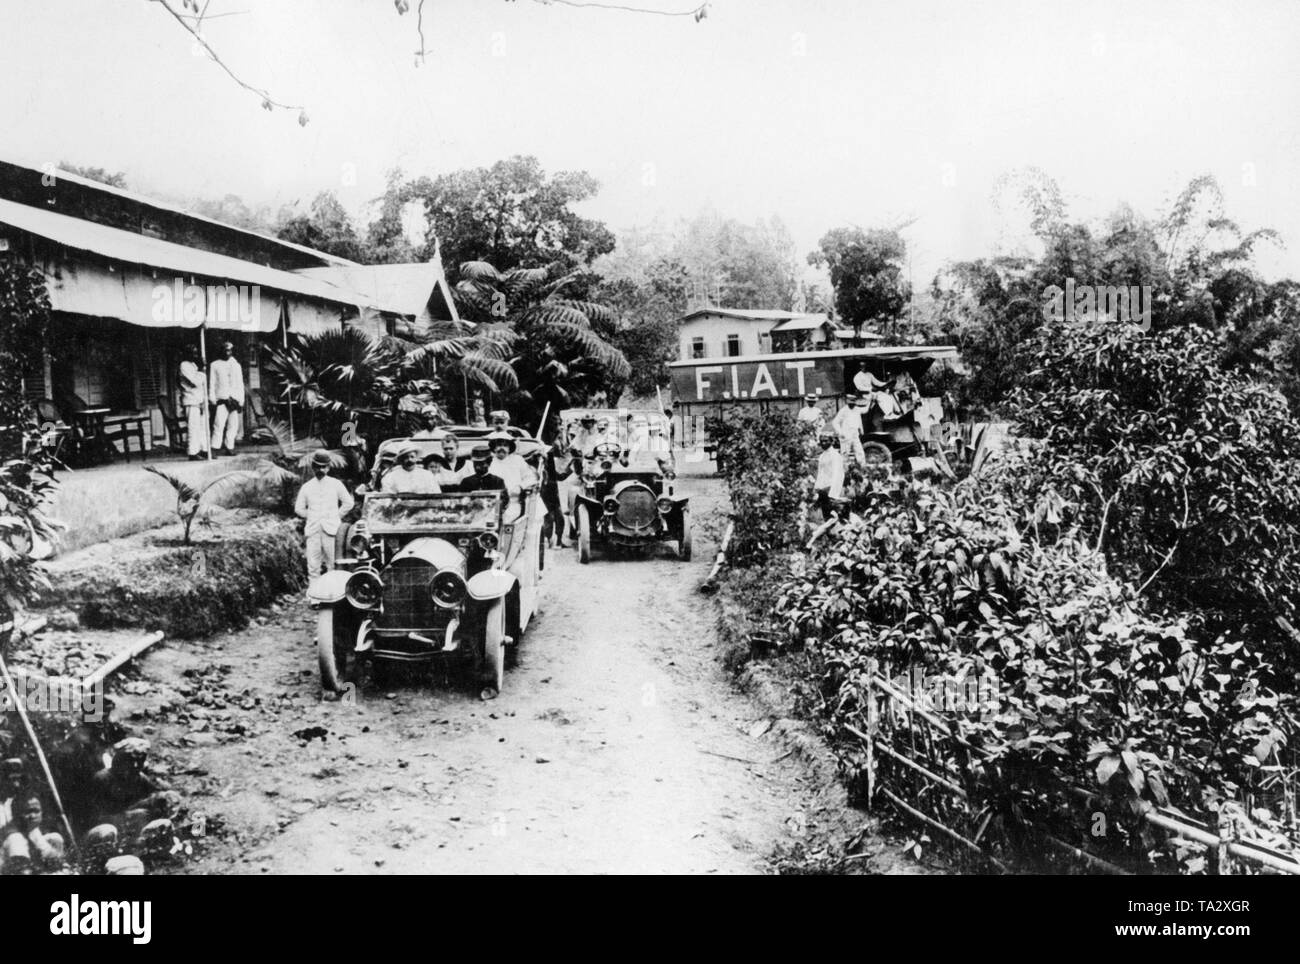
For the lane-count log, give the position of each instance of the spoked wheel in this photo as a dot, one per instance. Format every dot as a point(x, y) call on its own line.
point(584, 534)
point(684, 544)
point(332, 647)
point(494, 650)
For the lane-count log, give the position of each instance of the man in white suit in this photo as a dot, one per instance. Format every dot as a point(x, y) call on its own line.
point(226, 391)
point(194, 401)
point(323, 501)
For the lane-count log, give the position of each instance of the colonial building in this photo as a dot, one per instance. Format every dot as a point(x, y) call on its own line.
point(732, 332)
point(133, 280)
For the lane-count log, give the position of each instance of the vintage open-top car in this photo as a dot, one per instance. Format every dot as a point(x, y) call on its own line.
point(627, 494)
point(430, 577)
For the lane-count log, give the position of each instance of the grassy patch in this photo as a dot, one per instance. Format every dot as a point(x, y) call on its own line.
point(187, 591)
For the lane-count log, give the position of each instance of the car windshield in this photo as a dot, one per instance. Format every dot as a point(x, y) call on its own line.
point(395, 512)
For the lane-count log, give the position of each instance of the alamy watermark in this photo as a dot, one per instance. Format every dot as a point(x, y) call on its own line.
point(192, 304)
point(1129, 304)
point(56, 694)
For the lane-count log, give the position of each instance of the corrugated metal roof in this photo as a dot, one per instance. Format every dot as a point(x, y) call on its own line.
point(750, 314)
point(802, 323)
point(62, 175)
point(403, 289)
point(905, 352)
point(132, 248)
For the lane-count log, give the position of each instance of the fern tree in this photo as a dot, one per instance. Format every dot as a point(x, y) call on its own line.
point(558, 346)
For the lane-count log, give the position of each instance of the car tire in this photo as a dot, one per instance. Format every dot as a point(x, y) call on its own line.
point(494, 650)
point(584, 534)
point(332, 648)
point(684, 544)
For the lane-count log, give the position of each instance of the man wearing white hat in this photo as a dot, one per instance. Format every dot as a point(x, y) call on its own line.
point(847, 424)
point(322, 501)
point(810, 414)
point(408, 475)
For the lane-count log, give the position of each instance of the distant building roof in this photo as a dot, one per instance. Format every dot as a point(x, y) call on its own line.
point(744, 314)
point(403, 289)
point(803, 323)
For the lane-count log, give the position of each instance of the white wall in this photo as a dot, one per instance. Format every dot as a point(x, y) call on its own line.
point(714, 329)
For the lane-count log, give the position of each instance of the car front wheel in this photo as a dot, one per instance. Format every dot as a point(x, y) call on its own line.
point(332, 647)
point(494, 650)
point(684, 545)
point(584, 534)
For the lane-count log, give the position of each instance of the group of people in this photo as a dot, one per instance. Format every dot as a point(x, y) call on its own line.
point(835, 437)
point(323, 501)
point(221, 393)
point(129, 815)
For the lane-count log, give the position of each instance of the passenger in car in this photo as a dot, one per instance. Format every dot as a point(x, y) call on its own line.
point(478, 478)
point(517, 474)
point(408, 476)
point(448, 466)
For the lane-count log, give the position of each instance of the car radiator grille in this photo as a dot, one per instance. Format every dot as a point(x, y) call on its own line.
point(636, 508)
point(407, 602)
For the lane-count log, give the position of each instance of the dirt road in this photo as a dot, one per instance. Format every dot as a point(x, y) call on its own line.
point(617, 744)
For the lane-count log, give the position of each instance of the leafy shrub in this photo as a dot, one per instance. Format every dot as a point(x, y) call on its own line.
point(765, 459)
point(1082, 687)
point(1188, 474)
point(191, 591)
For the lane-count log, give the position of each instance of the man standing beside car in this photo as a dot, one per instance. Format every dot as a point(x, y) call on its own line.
point(323, 501)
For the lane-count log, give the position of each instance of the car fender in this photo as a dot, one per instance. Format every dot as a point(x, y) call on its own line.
point(679, 501)
point(592, 503)
point(490, 584)
point(329, 588)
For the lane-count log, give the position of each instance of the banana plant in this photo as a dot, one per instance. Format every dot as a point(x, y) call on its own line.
point(189, 497)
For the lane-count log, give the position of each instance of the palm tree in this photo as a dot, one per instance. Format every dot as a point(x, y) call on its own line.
point(556, 349)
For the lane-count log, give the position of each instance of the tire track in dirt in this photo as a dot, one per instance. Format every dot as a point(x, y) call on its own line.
point(617, 745)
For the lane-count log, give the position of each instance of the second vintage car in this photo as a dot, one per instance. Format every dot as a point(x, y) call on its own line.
point(627, 497)
point(431, 577)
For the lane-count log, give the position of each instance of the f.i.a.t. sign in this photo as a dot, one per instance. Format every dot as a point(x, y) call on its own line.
point(767, 379)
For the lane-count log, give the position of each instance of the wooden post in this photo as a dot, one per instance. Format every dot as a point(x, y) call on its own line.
point(40, 753)
point(207, 381)
point(871, 730)
point(1227, 835)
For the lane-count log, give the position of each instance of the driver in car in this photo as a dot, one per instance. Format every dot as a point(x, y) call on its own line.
point(599, 437)
point(407, 475)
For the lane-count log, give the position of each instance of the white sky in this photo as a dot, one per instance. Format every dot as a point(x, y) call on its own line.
point(825, 112)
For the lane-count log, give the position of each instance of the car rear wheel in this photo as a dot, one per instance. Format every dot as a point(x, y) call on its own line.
point(684, 545)
point(494, 650)
point(584, 534)
point(332, 647)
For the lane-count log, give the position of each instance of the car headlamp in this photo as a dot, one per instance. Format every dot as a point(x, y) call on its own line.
point(447, 588)
point(364, 589)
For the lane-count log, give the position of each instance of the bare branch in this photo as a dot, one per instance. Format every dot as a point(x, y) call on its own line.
point(268, 101)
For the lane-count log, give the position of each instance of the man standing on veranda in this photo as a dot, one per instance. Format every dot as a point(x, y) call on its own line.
point(322, 501)
point(226, 391)
point(194, 401)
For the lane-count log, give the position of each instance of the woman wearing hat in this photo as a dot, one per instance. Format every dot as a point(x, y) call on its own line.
point(322, 501)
